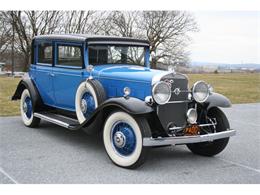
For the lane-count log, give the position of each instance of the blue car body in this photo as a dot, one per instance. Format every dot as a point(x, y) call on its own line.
point(57, 84)
point(93, 83)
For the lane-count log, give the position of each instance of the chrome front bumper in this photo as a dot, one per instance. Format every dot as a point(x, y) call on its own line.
point(187, 139)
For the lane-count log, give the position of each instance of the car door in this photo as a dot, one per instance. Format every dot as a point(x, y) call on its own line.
point(43, 70)
point(68, 73)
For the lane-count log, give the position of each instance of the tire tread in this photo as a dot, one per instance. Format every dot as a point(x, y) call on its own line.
point(217, 146)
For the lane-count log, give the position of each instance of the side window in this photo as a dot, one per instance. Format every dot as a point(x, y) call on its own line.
point(98, 55)
point(45, 53)
point(69, 56)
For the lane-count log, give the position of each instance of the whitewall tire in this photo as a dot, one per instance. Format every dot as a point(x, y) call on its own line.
point(26, 109)
point(123, 140)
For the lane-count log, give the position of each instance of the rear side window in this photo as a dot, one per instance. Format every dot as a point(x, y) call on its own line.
point(69, 55)
point(45, 53)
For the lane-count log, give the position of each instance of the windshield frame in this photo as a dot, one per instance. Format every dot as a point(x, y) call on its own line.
point(146, 53)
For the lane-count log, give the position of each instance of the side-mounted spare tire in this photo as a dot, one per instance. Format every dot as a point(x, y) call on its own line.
point(90, 94)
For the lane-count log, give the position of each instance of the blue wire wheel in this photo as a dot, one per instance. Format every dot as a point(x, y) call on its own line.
point(123, 138)
point(27, 107)
point(86, 101)
point(88, 105)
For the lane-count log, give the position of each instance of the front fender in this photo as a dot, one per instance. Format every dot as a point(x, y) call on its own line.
point(130, 105)
point(217, 100)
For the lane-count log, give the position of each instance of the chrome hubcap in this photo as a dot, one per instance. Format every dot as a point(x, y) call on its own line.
point(25, 108)
point(123, 138)
point(87, 104)
point(83, 105)
point(119, 139)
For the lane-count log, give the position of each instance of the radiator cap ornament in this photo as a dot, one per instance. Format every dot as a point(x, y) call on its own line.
point(171, 68)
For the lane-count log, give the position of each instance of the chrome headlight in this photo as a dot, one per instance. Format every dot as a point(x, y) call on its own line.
point(200, 91)
point(192, 116)
point(161, 92)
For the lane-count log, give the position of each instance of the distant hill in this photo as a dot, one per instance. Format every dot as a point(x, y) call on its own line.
point(226, 65)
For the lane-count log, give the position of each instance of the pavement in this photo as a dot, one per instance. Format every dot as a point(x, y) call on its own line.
point(52, 154)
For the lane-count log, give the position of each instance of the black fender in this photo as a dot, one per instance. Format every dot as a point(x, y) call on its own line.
point(217, 100)
point(27, 83)
point(214, 110)
point(130, 105)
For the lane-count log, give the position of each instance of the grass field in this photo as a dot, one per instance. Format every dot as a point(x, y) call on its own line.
point(239, 88)
point(7, 89)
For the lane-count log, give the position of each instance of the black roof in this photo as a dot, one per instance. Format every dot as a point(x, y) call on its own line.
point(92, 38)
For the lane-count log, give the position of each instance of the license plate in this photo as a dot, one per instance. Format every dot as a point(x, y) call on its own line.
point(192, 130)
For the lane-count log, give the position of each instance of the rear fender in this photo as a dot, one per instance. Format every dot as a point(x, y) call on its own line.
point(27, 83)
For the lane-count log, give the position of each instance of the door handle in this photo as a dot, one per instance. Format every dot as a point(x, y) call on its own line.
point(51, 74)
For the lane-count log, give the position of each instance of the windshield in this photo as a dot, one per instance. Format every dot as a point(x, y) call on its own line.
point(116, 54)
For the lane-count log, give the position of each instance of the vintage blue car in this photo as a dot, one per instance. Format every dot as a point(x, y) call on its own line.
point(105, 84)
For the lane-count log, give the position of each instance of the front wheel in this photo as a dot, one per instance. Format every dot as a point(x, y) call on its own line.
point(26, 108)
point(123, 139)
point(216, 146)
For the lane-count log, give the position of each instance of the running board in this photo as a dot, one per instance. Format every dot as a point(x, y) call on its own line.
point(57, 119)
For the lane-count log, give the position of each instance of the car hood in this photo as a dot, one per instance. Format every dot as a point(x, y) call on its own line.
point(126, 72)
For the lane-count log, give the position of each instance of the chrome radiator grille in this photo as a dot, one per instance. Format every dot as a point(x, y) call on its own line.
point(175, 111)
point(179, 86)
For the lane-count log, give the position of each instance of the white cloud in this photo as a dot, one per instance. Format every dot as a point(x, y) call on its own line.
point(226, 37)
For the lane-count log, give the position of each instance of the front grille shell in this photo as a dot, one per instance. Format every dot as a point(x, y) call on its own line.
point(174, 112)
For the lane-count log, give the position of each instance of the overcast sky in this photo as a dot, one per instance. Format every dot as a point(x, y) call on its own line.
point(226, 37)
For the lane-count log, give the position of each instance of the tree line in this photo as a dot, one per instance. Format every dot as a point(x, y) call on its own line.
point(167, 31)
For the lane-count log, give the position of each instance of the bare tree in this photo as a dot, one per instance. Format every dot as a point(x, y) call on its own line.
point(5, 33)
point(165, 30)
point(122, 23)
point(28, 24)
point(82, 22)
point(167, 34)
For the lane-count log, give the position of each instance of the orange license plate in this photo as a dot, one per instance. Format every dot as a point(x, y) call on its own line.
point(192, 130)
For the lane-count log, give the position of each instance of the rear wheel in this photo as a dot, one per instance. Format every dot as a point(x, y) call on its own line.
point(216, 146)
point(123, 139)
point(26, 108)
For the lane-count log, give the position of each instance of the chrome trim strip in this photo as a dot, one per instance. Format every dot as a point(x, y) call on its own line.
point(55, 121)
point(175, 128)
point(183, 91)
point(206, 125)
point(117, 43)
point(148, 141)
point(201, 125)
point(181, 101)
